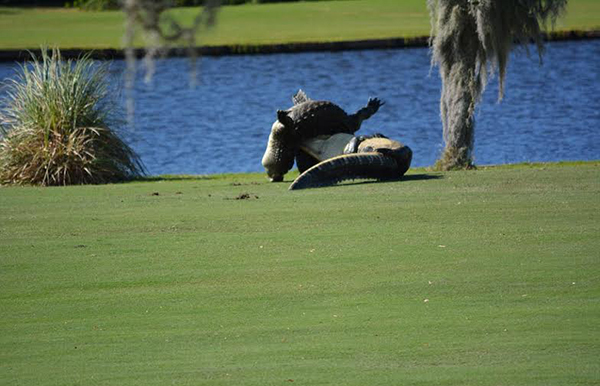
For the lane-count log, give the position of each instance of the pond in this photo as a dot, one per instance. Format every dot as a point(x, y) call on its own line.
point(549, 113)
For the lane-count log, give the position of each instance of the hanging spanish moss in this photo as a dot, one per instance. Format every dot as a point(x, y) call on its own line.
point(471, 40)
point(160, 32)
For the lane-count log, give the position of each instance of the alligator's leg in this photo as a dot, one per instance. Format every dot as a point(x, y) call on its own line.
point(365, 113)
point(353, 145)
point(305, 161)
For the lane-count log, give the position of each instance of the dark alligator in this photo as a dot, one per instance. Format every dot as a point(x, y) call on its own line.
point(308, 119)
point(342, 157)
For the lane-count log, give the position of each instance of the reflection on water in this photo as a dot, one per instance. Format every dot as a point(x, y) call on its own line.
point(549, 113)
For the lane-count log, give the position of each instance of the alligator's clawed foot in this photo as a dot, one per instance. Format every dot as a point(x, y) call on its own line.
point(375, 104)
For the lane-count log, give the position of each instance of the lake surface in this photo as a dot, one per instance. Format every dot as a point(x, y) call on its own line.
point(549, 113)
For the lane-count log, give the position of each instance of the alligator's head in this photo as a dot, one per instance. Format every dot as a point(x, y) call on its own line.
point(281, 149)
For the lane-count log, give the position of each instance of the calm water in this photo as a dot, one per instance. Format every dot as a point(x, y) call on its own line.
point(549, 113)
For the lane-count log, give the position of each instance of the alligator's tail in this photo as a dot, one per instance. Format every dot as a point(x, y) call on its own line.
point(347, 167)
point(300, 97)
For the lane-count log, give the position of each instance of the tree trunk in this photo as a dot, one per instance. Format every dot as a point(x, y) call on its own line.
point(469, 40)
point(461, 87)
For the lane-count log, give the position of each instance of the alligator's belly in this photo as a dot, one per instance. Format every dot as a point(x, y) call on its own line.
point(325, 147)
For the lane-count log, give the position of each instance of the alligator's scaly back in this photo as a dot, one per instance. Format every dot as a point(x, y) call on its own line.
point(314, 118)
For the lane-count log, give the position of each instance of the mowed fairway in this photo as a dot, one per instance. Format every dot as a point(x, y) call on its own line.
point(486, 277)
point(322, 21)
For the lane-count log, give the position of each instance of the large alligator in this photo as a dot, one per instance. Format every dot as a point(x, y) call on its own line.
point(307, 119)
point(343, 156)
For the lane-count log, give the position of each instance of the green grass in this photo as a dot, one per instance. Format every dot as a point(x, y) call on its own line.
point(485, 277)
point(323, 21)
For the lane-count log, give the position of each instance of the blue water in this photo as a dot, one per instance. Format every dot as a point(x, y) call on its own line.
point(549, 113)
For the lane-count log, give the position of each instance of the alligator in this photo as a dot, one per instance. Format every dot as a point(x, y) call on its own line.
point(308, 119)
point(343, 156)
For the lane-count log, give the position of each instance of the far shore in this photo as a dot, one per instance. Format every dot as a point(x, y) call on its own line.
point(287, 48)
point(272, 28)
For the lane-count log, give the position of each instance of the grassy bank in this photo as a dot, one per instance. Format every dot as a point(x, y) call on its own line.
point(460, 278)
point(252, 24)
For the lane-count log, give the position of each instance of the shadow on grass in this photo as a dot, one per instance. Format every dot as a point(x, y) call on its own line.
point(8, 12)
point(406, 178)
point(175, 177)
point(420, 177)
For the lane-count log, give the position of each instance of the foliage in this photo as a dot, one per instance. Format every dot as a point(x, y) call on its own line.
point(102, 5)
point(244, 27)
point(472, 40)
point(160, 30)
point(189, 3)
point(94, 5)
point(55, 124)
point(29, 3)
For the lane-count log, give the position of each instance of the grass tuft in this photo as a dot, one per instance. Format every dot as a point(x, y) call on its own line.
point(55, 126)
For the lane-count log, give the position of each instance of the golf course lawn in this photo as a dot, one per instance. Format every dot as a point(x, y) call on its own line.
point(323, 21)
point(484, 277)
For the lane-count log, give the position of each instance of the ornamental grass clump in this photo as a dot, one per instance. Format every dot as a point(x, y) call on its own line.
point(55, 126)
